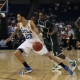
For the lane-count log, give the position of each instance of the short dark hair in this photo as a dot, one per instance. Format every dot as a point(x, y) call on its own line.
point(23, 14)
point(42, 12)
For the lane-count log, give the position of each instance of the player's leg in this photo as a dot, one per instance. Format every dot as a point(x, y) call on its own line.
point(45, 52)
point(18, 53)
point(54, 58)
point(57, 52)
point(48, 44)
point(70, 43)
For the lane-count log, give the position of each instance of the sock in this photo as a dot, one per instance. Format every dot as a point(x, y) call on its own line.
point(25, 64)
point(61, 64)
point(67, 59)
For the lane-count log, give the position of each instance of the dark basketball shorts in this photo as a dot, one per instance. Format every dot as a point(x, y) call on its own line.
point(53, 45)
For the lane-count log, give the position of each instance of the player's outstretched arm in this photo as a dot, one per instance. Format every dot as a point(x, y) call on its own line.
point(36, 31)
point(13, 34)
point(77, 23)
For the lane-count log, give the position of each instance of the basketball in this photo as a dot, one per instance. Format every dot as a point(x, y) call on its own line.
point(37, 46)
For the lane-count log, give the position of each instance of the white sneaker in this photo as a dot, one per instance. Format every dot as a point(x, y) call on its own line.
point(58, 67)
point(79, 59)
point(57, 72)
point(73, 64)
point(25, 70)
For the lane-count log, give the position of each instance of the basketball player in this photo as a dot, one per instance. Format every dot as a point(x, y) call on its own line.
point(31, 34)
point(77, 33)
point(49, 32)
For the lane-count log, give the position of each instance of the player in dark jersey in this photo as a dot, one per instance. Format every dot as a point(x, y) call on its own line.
point(49, 33)
point(77, 33)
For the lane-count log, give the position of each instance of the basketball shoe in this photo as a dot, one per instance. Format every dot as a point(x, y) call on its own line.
point(26, 70)
point(73, 64)
point(67, 69)
point(57, 67)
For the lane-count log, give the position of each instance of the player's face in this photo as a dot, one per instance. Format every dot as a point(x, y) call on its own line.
point(41, 16)
point(19, 18)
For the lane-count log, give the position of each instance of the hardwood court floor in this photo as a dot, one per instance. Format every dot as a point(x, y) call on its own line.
point(41, 65)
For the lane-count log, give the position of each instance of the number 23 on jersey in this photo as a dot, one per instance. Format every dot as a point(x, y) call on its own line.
point(28, 36)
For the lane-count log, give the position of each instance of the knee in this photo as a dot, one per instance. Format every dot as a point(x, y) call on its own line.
point(17, 53)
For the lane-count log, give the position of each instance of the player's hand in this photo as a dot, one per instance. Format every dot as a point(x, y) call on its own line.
point(49, 34)
point(7, 40)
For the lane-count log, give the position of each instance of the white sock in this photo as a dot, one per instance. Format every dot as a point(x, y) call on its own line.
point(67, 59)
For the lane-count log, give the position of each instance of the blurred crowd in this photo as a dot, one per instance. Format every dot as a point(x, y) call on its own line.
point(60, 7)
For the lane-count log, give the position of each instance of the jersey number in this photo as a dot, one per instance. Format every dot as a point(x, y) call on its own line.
point(28, 36)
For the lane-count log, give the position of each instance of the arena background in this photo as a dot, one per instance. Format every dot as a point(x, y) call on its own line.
point(62, 11)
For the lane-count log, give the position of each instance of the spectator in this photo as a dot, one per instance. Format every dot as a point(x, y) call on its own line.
point(9, 25)
point(19, 38)
point(10, 31)
point(63, 31)
point(69, 25)
point(47, 16)
point(61, 43)
point(51, 14)
point(71, 35)
point(9, 21)
point(14, 27)
point(57, 24)
point(61, 25)
point(57, 6)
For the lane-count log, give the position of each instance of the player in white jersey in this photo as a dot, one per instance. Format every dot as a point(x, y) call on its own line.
point(31, 34)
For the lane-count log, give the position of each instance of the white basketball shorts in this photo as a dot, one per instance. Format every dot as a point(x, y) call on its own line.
point(26, 46)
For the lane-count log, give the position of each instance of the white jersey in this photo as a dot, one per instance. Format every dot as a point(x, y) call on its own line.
point(28, 32)
point(31, 37)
